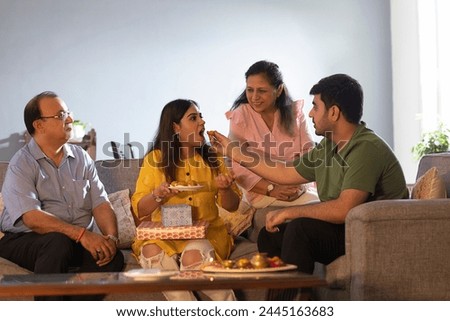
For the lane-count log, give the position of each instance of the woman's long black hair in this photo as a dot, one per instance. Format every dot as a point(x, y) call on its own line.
point(168, 142)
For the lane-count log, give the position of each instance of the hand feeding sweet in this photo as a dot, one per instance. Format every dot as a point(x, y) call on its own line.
point(224, 181)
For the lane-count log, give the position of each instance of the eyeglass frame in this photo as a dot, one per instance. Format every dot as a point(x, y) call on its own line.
point(63, 115)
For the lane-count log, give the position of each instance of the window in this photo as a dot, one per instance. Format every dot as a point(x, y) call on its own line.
point(420, 35)
point(434, 60)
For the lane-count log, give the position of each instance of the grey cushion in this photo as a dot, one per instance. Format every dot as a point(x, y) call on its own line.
point(118, 175)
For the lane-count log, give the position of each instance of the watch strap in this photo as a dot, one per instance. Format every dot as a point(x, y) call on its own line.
point(114, 238)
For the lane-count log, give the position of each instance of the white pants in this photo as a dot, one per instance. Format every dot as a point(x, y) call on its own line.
point(164, 262)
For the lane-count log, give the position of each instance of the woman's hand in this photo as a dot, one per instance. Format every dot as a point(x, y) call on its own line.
point(153, 200)
point(163, 191)
point(224, 182)
point(241, 153)
point(287, 193)
point(220, 143)
point(230, 200)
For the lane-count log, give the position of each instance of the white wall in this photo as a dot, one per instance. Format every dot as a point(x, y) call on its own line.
point(117, 63)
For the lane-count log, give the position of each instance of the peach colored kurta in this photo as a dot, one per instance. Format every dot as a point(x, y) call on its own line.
point(246, 125)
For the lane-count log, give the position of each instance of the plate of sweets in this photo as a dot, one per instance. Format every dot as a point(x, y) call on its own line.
point(181, 186)
point(258, 263)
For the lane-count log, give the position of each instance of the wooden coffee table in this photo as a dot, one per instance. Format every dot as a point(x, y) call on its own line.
point(103, 283)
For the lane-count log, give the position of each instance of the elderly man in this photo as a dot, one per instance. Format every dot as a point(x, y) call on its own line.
point(52, 194)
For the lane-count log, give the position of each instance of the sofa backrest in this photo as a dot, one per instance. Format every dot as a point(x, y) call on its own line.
point(115, 174)
point(118, 174)
point(442, 162)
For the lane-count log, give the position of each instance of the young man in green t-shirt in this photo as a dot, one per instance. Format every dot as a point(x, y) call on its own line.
point(351, 166)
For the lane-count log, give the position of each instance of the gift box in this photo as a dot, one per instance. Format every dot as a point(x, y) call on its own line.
point(157, 231)
point(176, 215)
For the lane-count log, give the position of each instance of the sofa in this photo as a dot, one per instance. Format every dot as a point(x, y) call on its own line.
point(395, 250)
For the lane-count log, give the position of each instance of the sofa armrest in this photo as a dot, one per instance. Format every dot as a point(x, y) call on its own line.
point(398, 250)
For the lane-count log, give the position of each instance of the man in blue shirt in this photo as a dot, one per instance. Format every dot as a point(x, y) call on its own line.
point(52, 195)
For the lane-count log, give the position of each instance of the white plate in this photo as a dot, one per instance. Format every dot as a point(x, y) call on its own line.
point(186, 188)
point(149, 274)
point(216, 269)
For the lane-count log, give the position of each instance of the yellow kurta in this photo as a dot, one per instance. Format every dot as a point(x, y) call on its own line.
point(203, 202)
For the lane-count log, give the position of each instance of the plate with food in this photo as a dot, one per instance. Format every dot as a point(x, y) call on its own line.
point(220, 269)
point(185, 186)
point(259, 263)
point(150, 274)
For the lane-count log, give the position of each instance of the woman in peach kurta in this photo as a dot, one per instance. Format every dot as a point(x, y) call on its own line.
point(266, 117)
point(180, 154)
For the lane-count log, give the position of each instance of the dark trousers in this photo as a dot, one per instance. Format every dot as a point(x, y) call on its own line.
point(53, 253)
point(304, 241)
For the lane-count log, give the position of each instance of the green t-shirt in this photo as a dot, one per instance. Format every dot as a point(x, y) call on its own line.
point(366, 163)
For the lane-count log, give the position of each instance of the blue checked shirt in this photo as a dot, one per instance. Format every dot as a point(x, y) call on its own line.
point(33, 182)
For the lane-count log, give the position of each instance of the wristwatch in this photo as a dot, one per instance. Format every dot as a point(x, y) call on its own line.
point(114, 238)
point(157, 198)
point(270, 188)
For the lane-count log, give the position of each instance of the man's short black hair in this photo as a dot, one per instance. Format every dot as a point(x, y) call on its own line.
point(32, 110)
point(343, 91)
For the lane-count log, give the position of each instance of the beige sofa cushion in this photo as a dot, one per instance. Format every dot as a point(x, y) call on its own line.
point(429, 186)
point(121, 203)
point(238, 221)
point(8, 267)
point(2, 206)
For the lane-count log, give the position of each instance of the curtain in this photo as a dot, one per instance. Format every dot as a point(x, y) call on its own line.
point(434, 59)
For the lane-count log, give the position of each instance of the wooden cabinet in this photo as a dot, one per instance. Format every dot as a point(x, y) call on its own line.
point(88, 143)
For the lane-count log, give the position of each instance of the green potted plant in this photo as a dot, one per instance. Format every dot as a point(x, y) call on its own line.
point(436, 141)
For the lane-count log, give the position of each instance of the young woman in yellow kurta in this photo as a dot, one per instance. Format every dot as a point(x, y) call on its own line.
point(180, 154)
point(202, 202)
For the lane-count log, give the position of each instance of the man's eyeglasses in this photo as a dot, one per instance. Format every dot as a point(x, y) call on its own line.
point(62, 115)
